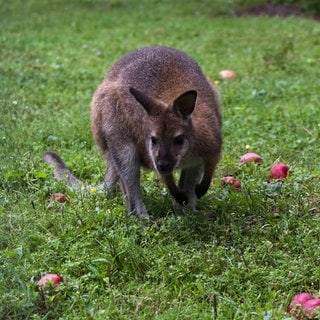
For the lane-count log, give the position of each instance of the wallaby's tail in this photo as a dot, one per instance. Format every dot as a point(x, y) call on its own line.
point(61, 172)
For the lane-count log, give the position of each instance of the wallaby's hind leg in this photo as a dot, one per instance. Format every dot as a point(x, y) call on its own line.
point(126, 168)
point(111, 177)
point(179, 195)
point(189, 178)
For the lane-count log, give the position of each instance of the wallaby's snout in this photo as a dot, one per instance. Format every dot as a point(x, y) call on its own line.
point(164, 160)
point(164, 166)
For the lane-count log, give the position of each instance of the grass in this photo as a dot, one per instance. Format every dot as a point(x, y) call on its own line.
point(245, 255)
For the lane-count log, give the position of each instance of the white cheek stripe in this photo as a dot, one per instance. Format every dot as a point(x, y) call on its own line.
point(152, 158)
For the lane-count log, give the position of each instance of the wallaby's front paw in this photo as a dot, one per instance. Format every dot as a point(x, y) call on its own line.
point(181, 197)
point(200, 191)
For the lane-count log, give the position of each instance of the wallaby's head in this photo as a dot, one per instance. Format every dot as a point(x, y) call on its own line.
point(171, 131)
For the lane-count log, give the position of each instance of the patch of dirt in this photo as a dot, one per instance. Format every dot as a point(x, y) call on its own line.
point(272, 10)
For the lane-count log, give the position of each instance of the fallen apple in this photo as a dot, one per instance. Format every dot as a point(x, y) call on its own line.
point(296, 306)
point(311, 308)
point(302, 298)
point(49, 279)
point(231, 180)
point(279, 171)
point(250, 157)
point(227, 74)
point(60, 197)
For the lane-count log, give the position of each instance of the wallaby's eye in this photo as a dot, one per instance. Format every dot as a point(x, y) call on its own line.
point(153, 140)
point(179, 140)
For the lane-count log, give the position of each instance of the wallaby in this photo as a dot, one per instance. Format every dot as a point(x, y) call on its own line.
point(155, 109)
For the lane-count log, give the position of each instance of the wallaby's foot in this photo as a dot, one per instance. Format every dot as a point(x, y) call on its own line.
point(140, 213)
point(111, 179)
point(108, 189)
point(143, 216)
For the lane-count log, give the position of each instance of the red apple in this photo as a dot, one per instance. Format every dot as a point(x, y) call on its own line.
point(50, 279)
point(304, 306)
point(311, 308)
point(227, 74)
point(250, 157)
point(231, 180)
point(60, 197)
point(279, 171)
point(302, 298)
point(295, 308)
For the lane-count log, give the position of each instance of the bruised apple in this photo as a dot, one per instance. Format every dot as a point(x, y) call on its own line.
point(304, 306)
point(279, 171)
point(50, 280)
point(250, 157)
point(311, 308)
point(295, 307)
point(231, 180)
point(60, 197)
point(227, 74)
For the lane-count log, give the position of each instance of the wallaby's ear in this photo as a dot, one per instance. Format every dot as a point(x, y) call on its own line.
point(185, 103)
point(147, 102)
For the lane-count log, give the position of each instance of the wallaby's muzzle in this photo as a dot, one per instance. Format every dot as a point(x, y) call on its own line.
point(164, 166)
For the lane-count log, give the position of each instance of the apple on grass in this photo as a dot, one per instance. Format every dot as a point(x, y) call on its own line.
point(49, 280)
point(250, 157)
point(304, 306)
point(231, 180)
point(59, 197)
point(311, 308)
point(227, 74)
point(279, 171)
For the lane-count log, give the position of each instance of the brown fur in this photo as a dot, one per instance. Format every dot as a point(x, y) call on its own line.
point(156, 109)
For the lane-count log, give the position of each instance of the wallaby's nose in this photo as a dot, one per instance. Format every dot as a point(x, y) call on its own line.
point(164, 166)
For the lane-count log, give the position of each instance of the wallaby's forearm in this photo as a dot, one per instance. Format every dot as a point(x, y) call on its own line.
point(180, 196)
point(202, 188)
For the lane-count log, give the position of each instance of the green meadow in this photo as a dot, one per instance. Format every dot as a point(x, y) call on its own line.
point(245, 254)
